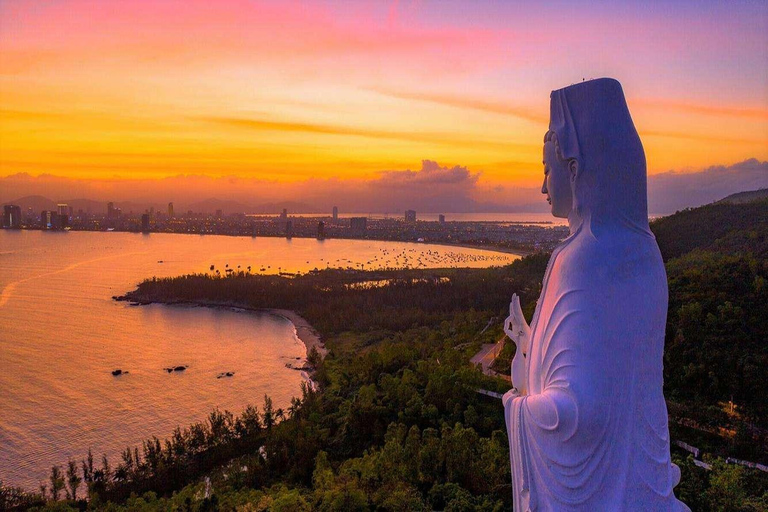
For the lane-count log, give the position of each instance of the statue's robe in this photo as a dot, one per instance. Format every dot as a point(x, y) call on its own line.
point(591, 433)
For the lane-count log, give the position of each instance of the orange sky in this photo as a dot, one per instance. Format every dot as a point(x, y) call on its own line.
point(288, 91)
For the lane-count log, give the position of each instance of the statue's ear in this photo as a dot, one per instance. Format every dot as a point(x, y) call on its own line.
point(573, 168)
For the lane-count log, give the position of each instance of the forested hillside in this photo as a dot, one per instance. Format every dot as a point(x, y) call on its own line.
point(721, 226)
point(717, 326)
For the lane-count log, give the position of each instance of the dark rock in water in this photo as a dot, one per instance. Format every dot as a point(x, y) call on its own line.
point(230, 374)
point(118, 372)
point(225, 374)
point(179, 368)
point(304, 367)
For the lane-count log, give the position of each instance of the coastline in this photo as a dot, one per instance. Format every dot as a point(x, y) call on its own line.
point(304, 331)
point(307, 334)
point(491, 248)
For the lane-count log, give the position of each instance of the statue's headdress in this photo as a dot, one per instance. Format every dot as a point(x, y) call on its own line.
point(592, 124)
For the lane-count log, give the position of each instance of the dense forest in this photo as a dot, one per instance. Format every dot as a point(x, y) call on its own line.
point(396, 422)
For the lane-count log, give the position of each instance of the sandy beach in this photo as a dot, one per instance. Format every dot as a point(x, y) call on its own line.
point(306, 333)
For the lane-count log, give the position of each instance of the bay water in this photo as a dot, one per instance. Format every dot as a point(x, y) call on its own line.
point(62, 335)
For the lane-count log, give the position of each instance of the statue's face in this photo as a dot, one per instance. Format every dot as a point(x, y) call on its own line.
point(557, 182)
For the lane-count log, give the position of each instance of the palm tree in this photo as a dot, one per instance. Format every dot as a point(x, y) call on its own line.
point(268, 416)
point(57, 482)
point(88, 467)
point(294, 408)
point(73, 479)
point(105, 469)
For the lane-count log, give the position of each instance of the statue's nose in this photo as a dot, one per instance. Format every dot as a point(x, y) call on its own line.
point(544, 186)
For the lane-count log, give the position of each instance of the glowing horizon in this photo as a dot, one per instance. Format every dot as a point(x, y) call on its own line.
point(288, 92)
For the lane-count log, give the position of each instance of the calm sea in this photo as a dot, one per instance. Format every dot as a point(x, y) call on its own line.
point(516, 218)
point(61, 335)
point(545, 219)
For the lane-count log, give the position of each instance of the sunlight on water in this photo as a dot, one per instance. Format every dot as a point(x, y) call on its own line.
point(61, 335)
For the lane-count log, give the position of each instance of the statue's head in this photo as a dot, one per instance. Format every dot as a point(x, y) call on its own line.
point(593, 152)
point(559, 177)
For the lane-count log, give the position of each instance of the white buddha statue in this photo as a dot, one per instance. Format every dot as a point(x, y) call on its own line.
point(586, 418)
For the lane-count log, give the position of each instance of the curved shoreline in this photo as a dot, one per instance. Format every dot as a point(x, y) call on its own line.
point(307, 334)
point(490, 248)
point(304, 331)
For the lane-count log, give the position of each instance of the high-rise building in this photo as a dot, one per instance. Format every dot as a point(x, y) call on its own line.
point(111, 210)
point(218, 213)
point(335, 214)
point(145, 222)
point(46, 218)
point(284, 215)
point(410, 216)
point(11, 216)
point(358, 223)
point(62, 217)
point(57, 221)
point(170, 210)
point(441, 218)
point(288, 229)
point(320, 230)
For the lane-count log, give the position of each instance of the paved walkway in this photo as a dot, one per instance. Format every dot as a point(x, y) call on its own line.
point(487, 355)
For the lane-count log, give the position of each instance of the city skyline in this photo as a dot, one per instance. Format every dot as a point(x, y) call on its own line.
point(667, 192)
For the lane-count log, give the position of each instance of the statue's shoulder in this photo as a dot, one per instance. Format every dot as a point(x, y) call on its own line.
point(588, 258)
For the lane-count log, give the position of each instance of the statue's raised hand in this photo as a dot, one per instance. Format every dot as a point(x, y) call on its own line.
point(518, 331)
point(516, 327)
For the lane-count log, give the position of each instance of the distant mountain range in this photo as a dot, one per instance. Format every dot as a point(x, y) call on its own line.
point(745, 197)
point(39, 203)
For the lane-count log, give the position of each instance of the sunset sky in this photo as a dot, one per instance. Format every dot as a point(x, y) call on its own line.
point(103, 92)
